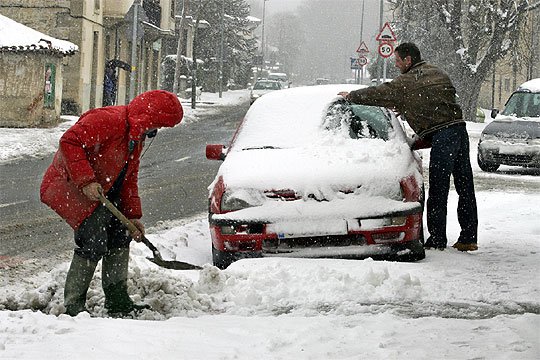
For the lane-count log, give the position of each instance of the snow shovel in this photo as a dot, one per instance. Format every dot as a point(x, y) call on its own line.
point(157, 259)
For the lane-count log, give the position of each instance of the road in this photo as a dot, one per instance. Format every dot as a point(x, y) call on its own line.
point(173, 181)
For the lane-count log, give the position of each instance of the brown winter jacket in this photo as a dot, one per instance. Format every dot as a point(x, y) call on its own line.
point(424, 96)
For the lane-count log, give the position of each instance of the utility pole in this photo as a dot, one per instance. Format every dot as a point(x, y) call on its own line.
point(380, 27)
point(134, 50)
point(221, 50)
point(262, 40)
point(362, 39)
point(179, 49)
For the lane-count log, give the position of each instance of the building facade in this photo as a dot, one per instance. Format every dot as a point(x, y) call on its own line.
point(518, 66)
point(103, 31)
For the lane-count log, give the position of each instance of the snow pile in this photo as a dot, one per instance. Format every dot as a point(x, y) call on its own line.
point(450, 305)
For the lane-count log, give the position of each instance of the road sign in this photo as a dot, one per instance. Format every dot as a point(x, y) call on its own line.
point(386, 34)
point(354, 64)
point(362, 49)
point(362, 61)
point(386, 50)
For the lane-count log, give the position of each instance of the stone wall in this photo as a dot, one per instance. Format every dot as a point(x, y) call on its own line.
point(22, 90)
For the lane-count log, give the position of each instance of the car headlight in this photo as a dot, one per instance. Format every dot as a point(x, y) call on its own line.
point(240, 199)
point(484, 137)
point(254, 96)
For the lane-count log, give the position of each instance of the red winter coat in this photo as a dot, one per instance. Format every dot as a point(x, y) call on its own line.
point(96, 149)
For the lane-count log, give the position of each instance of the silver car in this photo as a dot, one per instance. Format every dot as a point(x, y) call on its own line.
point(513, 137)
point(262, 87)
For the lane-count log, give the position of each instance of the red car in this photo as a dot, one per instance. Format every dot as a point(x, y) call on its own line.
point(309, 175)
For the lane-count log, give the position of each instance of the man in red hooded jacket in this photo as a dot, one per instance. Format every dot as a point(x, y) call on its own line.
point(100, 153)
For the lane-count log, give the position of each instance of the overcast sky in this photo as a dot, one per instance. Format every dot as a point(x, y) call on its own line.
point(273, 6)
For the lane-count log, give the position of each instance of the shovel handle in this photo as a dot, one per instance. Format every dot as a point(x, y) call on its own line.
point(125, 221)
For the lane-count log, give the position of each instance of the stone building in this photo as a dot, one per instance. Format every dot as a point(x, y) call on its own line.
point(31, 68)
point(516, 68)
point(101, 29)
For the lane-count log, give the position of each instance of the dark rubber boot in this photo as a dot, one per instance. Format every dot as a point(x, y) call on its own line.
point(115, 272)
point(78, 279)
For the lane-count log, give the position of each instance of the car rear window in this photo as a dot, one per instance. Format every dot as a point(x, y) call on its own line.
point(267, 85)
point(359, 121)
point(522, 104)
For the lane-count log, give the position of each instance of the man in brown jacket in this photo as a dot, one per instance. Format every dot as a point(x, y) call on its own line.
point(424, 96)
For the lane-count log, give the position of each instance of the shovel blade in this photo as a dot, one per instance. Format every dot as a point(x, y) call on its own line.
point(173, 264)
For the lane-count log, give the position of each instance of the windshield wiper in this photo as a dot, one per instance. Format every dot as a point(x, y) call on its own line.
point(261, 147)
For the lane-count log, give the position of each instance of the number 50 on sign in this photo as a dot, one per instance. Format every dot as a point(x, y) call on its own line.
point(386, 50)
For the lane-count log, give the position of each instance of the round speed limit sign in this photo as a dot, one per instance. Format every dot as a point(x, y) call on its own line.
point(362, 61)
point(386, 50)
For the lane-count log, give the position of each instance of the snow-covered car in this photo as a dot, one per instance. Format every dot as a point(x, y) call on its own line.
point(262, 87)
point(281, 77)
point(308, 174)
point(513, 137)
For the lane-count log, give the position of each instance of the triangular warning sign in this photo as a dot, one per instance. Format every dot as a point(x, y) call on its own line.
point(362, 49)
point(386, 34)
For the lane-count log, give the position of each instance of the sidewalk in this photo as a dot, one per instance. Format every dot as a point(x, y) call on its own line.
point(16, 144)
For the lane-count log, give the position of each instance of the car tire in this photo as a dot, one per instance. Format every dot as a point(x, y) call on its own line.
point(222, 259)
point(416, 252)
point(485, 165)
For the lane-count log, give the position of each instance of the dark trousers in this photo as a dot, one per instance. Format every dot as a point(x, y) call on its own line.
point(450, 156)
point(99, 233)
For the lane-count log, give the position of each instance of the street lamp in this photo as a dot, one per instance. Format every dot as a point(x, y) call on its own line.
point(262, 40)
point(221, 50)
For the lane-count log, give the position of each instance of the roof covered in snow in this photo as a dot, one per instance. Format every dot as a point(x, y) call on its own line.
point(18, 37)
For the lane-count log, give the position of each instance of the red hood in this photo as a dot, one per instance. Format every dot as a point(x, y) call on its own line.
point(155, 108)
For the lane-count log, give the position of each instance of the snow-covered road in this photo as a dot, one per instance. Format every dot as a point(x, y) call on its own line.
point(451, 305)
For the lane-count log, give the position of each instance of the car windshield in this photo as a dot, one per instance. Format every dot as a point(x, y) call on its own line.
point(523, 104)
point(266, 85)
point(359, 121)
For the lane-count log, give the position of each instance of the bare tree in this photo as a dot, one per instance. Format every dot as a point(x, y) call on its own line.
point(468, 37)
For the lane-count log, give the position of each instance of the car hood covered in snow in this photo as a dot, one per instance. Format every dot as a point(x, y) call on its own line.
point(283, 145)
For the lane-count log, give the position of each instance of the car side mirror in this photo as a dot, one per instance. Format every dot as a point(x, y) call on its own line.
point(494, 113)
point(215, 152)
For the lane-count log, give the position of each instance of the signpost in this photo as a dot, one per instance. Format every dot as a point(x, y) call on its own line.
point(362, 60)
point(386, 49)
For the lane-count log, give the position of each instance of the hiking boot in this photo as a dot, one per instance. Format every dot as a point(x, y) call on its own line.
point(465, 247)
point(78, 280)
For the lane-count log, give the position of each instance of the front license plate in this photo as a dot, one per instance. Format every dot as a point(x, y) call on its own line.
point(294, 229)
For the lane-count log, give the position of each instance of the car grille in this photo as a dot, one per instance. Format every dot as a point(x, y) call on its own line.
point(270, 245)
point(513, 159)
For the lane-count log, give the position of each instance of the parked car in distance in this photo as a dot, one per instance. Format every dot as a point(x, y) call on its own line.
point(262, 87)
point(513, 137)
point(282, 78)
point(308, 174)
point(322, 81)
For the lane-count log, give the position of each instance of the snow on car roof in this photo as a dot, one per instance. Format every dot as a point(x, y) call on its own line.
point(296, 112)
point(531, 85)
